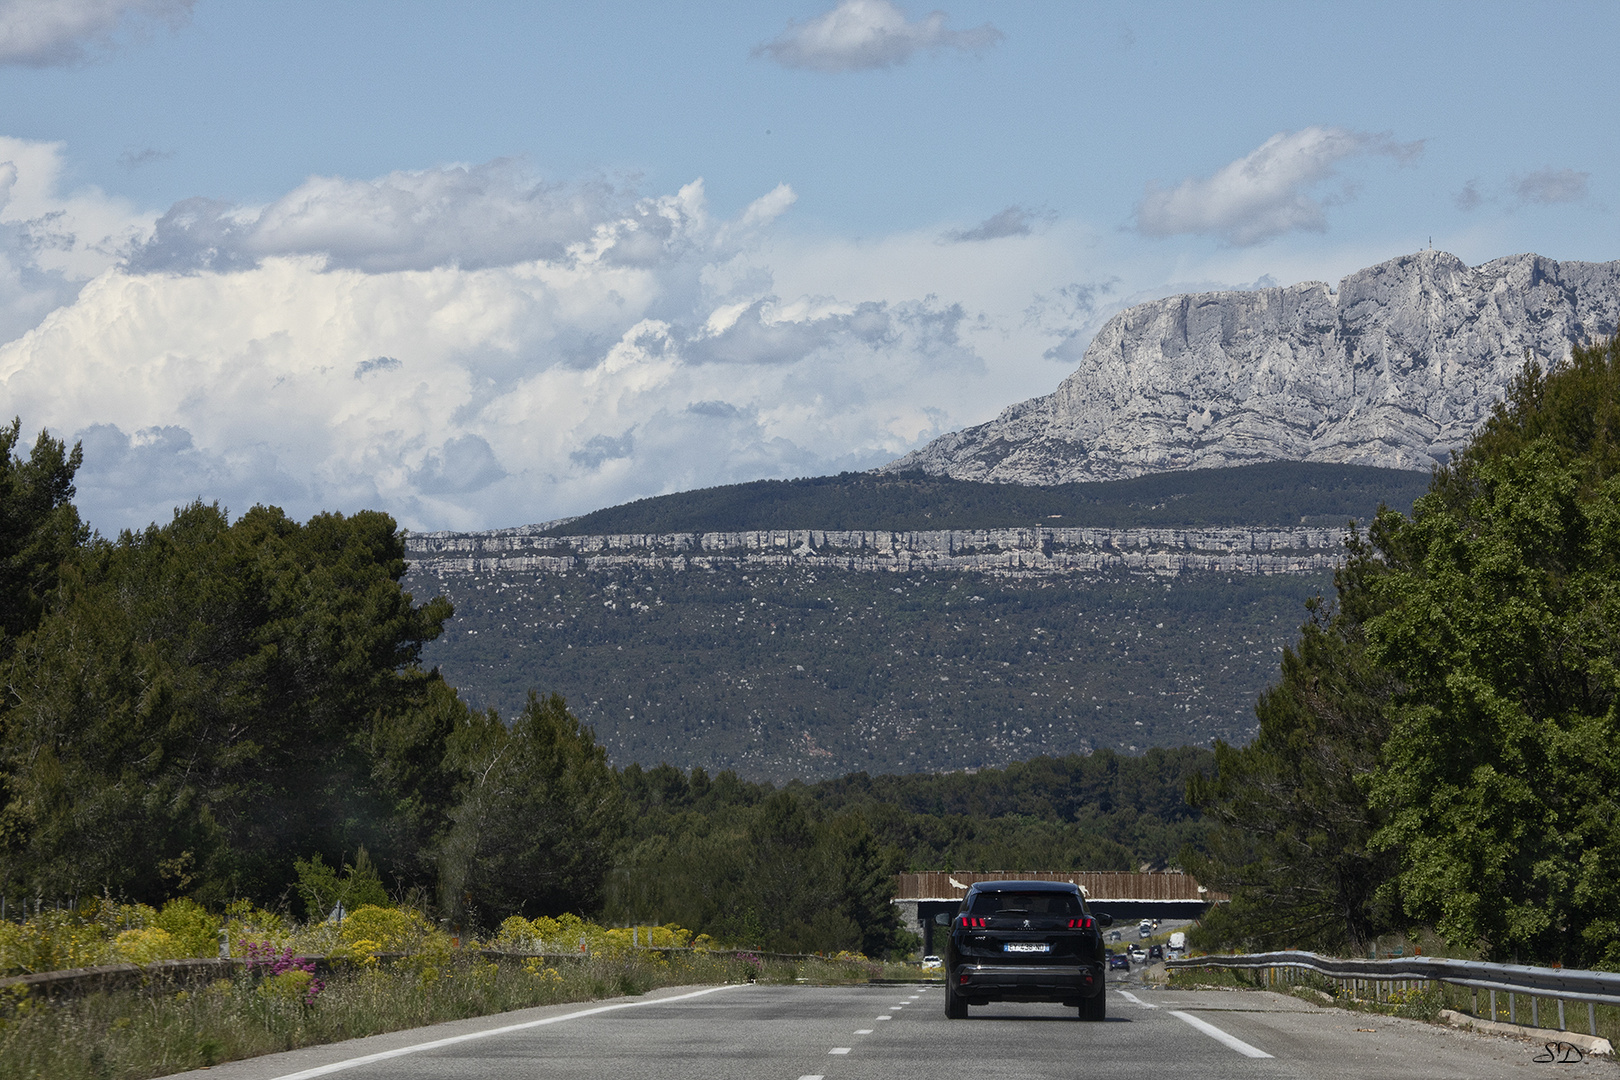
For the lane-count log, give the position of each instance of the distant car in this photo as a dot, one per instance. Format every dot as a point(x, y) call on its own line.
point(1113, 935)
point(932, 962)
point(1155, 952)
point(1026, 941)
point(1119, 962)
point(1138, 956)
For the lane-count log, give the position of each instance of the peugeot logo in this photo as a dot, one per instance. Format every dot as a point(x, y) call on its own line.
point(1026, 924)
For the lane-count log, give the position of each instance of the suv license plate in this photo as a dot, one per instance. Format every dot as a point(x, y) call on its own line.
point(1027, 946)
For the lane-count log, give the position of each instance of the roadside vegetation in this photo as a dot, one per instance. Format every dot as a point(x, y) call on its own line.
point(1440, 749)
point(380, 969)
point(167, 1028)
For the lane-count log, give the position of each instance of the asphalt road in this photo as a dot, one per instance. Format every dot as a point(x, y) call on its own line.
point(900, 1033)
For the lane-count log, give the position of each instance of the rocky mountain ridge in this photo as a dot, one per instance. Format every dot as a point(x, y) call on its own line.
point(1017, 552)
point(1395, 368)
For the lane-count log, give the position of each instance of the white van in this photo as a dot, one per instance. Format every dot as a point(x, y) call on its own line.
point(1178, 943)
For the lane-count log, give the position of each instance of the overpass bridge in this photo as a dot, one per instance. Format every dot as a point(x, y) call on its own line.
point(1167, 894)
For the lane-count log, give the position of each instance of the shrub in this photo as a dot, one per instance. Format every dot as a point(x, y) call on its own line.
point(147, 945)
point(373, 929)
point(195, 931)
point(51, 941)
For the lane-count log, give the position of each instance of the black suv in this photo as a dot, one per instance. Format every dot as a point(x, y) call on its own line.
point(1025, 941)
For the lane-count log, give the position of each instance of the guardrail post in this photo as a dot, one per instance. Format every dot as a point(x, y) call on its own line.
point(1493, 1006)
point(1561, 1026)
point(1474, 995)
point(1535, 1011)
point(1513, 1009)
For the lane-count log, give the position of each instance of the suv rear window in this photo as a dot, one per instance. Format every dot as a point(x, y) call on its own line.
point(1027, 903)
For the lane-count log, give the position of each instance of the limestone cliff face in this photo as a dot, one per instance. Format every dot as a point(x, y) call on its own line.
point(1394, 369)
point(1013, 552)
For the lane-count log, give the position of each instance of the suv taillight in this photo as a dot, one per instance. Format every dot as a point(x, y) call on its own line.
point(970, 922)
point(1081, 924)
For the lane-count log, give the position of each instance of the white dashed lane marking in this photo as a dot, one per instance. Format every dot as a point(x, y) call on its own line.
point(1220, 1036)
point(885, 1018)
point(1128, 996)
point(864, 1031)
point(839, 1050)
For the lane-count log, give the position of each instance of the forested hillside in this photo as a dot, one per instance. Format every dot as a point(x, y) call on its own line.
point(803, 670)
point(1273, 493)
point(811, 674)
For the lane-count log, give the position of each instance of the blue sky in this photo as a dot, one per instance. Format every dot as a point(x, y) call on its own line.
point(484, 264)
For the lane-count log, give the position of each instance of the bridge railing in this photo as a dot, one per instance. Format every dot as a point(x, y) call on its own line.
point(1379, 979)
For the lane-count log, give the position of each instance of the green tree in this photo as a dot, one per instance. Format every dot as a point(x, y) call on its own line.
point(537, 816)
point(203, 701)
point(39, 527)
point(864, 871)
point(323, 888)
point(1501, 620)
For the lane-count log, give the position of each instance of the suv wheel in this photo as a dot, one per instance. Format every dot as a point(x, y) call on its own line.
point(1095, 1008)
point(955, 1007)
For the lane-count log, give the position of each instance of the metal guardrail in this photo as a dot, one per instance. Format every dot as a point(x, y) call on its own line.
point(1600, 987)
point(1560, 984)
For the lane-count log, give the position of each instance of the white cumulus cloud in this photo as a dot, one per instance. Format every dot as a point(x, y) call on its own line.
point(51, 241)
point(461, 347)
point(859, 35)
point(46, 33)
point(477, 216)
point(1267, 192)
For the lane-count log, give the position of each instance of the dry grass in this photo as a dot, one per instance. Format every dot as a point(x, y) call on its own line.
point(160, 1030)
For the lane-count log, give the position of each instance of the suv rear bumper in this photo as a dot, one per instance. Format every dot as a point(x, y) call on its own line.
point(1027, 982)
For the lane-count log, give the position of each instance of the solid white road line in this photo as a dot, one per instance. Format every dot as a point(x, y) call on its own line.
point(1220, 1036)
point(354, 1063)
point(1128, 996)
